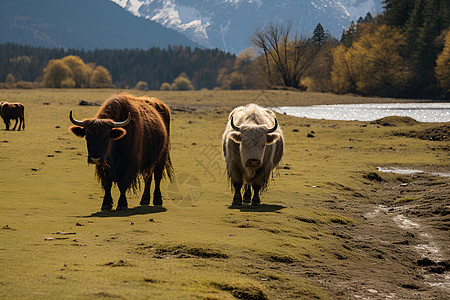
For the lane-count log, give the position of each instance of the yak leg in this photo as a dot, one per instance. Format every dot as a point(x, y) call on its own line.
point(256, 200)
point(237, 199)
point(145, 200)
point(247, 194)
point(107, 199)
point(17, 121)
point(122, 204)
point(157, 197)
point(7, 122)
point(20, 124)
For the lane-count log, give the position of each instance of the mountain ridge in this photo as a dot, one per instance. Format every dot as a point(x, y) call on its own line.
point(81, 24)
point(228, 24)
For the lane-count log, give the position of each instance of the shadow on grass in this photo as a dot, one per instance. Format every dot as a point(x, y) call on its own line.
point(258, 208)
point(139, 210)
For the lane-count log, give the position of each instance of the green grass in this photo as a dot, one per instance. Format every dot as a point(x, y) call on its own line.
point(196, 246)
point(405, 200)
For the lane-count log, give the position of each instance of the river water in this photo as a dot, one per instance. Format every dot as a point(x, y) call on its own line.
point(422, 112)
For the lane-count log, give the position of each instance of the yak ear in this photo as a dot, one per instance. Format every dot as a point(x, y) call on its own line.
point(77, 130)
point(272, 138)
point(117, 133)
point(236, 137)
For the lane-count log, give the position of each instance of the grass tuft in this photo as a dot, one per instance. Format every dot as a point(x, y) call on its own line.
point(119, 263)
point(182, 251)
point(276, 257)
point(340, 220)
point(241, 291)
point(306, 220)
point(405, 200)
point(206, 253)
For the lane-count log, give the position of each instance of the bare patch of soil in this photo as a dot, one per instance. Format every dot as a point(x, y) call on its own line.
point(401, 236)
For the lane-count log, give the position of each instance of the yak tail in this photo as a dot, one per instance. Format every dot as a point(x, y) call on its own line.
point(169, 168)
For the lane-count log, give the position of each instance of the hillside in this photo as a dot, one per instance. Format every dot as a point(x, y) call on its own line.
point(81, 24)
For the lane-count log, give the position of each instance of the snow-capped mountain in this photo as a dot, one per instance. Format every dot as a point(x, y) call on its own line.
point(360, 8)
point(229, 24)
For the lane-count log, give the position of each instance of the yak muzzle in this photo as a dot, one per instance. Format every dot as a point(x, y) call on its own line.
point(95, 161)
point(253, 163)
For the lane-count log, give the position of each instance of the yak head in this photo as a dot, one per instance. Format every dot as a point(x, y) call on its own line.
point(98, 133)
point(252, 140)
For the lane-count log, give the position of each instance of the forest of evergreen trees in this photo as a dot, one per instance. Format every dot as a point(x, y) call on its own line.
point(425, 25)
point(127, 67)
point(403, 52)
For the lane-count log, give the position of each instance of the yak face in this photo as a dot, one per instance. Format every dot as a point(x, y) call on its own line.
point(252, 140)
point(99, 133)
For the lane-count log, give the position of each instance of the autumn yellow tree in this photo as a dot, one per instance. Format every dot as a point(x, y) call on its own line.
point(55, 73)
point(250, 67)
point(182, 83)
point(72, 72)
point(318, 76)
point(247, 72)
point(79, 70)
point(142, 86)
point(101, 78)
point(342, 74)
point(373, 65)
point(10, 79)
point(443, 66)
point(165, 86)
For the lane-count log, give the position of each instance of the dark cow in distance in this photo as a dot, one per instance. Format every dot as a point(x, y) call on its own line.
point(128, 136)
point(253, 146)
point(12, 111)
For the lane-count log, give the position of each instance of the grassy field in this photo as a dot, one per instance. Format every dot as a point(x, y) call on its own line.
point(303, 242)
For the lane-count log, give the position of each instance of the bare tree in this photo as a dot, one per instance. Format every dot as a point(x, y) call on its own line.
point(290, 57)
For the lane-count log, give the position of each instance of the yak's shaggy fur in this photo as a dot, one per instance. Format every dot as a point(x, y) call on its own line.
point(254, 136)
point(12, 111)
point(142, 146)
point(146, 145)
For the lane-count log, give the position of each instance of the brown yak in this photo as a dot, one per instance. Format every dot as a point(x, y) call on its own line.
point(12, 111)
point(128, 136)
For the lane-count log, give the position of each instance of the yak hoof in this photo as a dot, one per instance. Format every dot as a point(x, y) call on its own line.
point(144, 203)
point(157, 202)
point(125, 207)
point(106, 207)
point(236, 203)
point(256, 202)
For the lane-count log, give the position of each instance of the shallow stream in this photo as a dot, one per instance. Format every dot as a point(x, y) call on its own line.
point(422, 112)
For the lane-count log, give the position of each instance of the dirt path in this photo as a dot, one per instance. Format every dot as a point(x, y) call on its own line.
point(401, 236)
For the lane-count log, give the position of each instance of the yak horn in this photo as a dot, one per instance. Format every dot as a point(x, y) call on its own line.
point(124, 123)
point(234, 126)
point(76, 122)
point(274, 127)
